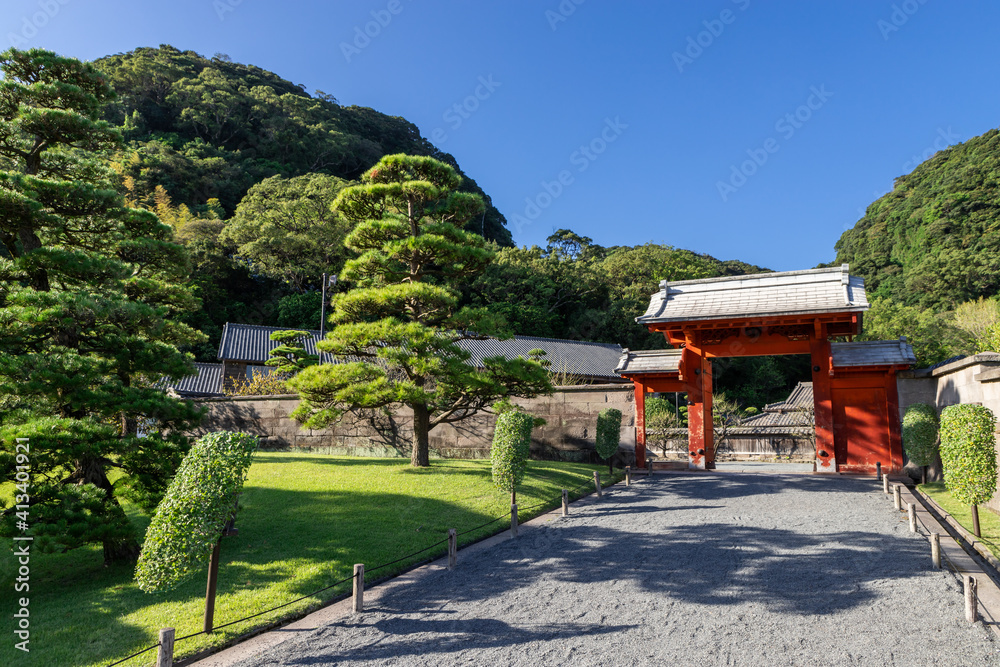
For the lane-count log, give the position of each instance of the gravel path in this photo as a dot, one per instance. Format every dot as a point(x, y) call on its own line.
point(723, 569)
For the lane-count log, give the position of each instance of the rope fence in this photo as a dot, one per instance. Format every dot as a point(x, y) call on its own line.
point(447, 540)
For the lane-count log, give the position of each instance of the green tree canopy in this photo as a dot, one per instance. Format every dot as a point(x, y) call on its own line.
point(396, 332)
point(88, 298)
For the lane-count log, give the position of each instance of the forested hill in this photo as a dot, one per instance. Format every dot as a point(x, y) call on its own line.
point(208, 129)
point(934, 241)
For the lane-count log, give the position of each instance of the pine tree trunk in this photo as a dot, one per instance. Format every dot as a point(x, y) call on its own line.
point(420, 456)
point(120, 546)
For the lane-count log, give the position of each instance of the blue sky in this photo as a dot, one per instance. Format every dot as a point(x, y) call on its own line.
point(744, 129)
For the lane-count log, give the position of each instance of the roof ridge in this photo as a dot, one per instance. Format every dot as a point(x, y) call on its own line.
point(839, 270)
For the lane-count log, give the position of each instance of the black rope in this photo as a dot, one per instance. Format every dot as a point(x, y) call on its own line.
point(134, 655)
point(268, 611)
point(483, 525)
point(400, 560)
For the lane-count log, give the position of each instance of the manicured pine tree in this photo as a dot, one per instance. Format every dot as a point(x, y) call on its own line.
point(397, 331)
point(88, 289)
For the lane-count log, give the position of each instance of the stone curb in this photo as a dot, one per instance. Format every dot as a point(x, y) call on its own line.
point(967, 538)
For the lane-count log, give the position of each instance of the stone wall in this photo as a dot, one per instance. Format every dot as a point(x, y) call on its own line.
point(975, 379)
point(568, 435)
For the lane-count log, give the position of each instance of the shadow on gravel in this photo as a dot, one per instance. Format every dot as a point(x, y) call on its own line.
point(716, 486)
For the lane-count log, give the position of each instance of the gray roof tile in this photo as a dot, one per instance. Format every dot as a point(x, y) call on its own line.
point(873, 353)
point(648, 361)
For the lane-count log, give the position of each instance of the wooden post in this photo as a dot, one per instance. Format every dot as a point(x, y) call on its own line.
point(165, 653)
point(911, 509)
point(359, 587)
point(213, 581)
point(975, 521)
point(878, 471)
point(628, 475)
point(936, 550)
point(885, 484)
point(565, 502)
point(896, 498)
point(649, 467)
point(597, 484)
point(971, 610)
point(513, 519)
point(452, 548)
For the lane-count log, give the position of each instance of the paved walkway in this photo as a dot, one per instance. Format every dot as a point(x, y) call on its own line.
point(692, 569)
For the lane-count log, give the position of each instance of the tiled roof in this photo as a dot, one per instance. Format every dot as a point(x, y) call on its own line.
point(800, 398)
point(648, 361)
point(873, 353)
point(757, 295)
point(791, 413)
point(207, 381)
point(250, 343)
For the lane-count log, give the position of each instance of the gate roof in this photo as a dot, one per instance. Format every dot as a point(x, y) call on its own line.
point(761, 295)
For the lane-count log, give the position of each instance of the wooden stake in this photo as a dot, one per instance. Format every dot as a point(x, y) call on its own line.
point(213, 581)
point(597, 484)
point(911, 509)
point(359, 587)
point(628, 475)
point(878, 471)
point(971, 610)
point(452, 548)
point(565, 502)
point(513, 520)
point(975, 521)
point(165, 654)
point(649, 467)
point(885, 484)
point(936, 550)
point(896, 498)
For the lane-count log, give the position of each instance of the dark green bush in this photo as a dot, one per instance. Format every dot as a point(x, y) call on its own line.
point(920, 432)
point(511, 449)
point(968, 454)
point(198, 504)
point(609, 424)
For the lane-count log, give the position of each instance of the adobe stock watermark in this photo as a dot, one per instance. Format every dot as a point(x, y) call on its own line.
point(900, 15)
point(381, 18)
point(32, 23)
point(461, 111)
point(581, 159)
point(564, 10)
point(786, 126)
point(223, 7)
point(714, 28)
point(943, 139)
point(22, 542)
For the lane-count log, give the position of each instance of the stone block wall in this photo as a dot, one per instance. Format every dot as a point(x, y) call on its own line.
point(568, 434)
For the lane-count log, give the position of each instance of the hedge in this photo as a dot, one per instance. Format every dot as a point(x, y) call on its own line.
point(968, 454)
point(194, 511)
point(609, 424)
point(511, 449)
point(920, 432)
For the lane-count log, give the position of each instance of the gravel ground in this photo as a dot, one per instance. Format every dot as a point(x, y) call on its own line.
point(723, 569)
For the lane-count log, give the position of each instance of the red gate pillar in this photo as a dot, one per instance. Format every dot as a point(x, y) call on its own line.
point(895, 427)
point(819, 349)
point(640, 425)
point(697, 376)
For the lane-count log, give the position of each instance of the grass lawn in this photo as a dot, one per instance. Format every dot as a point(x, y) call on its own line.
point(304, 521)
point(989, 523)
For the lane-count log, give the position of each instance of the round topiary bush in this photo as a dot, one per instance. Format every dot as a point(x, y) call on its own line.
point(968, 455)
point(609, 424)
point(511, 450)
point(920, 432)
point(195, 509)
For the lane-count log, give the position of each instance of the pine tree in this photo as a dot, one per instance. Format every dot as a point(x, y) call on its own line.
point(87, 289)
point(396, 333)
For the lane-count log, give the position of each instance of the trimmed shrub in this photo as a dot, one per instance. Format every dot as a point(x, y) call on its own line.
point(967, 452)
point(920, 432)
point(194, 511)
point(609, 424)
point(511, 449)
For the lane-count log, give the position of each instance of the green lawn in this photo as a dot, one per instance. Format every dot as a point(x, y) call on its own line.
point(989, 523)
point(304, 521)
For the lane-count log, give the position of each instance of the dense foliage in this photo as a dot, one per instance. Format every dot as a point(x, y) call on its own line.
point(195, 509)
point(511, 450)
point(920, 433)
point(396, 332)
point(967, 452)
point(608, 433)
point(90, 293)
